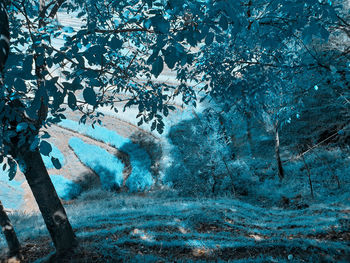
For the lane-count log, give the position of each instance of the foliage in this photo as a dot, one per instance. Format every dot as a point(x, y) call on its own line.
point(277, 64)
point(117, 49)
point(66, 189)
point(199, 155)
point(272, 57)
point(108, 167)
point(120, 45)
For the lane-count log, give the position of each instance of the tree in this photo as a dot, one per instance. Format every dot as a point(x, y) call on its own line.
point(120, 48)
point(19, 132)
point(270, 54)
point(10, 234)
point(5, 223)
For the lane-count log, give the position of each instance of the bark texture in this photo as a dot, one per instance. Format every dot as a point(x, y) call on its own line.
point(50, 206)
point(10, 234)
point(278, 156)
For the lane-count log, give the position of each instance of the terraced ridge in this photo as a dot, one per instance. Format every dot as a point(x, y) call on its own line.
point(132, 161)
point(140, 177)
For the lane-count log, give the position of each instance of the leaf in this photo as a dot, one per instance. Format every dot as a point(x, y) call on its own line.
point(116, 43)
point(40, 61)
point(324, 33)
point(56, 163)
point(160, 24)
point(160, 127)
point(147, 24)
point(154, 125)
point(209, 39)
point(220, 39)
point(28, 63)
point(13, 169)
point(21, 127)
point(170, 57)
point(72, 101)
point(45, 148)
point(90, 96)
point(20, 85)
point(165, 111)
point(223, 22)
point(152, 57)
point(157, 66)
point(80, 60)
point(34, 144)
point(46, 135)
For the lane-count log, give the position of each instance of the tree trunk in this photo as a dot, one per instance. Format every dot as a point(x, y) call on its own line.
point(50, 206)
point(10, 234)
point(309, 175)
point(249, 132)
point(277, 152)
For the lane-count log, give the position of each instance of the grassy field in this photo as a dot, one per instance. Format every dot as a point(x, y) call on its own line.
point(162, 227)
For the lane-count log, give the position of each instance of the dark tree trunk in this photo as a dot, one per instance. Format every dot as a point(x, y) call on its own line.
point(309, 176)
point(249, 132)
point(277, 152)
point(10, 234)
point(50, 206)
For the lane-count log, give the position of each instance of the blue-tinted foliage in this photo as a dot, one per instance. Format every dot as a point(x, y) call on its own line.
point(105, 165)
point(65, 188)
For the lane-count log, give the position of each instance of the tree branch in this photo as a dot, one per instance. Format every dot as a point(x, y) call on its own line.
point(55, 9)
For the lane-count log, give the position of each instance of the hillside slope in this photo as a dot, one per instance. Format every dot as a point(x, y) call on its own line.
point(151, 228)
